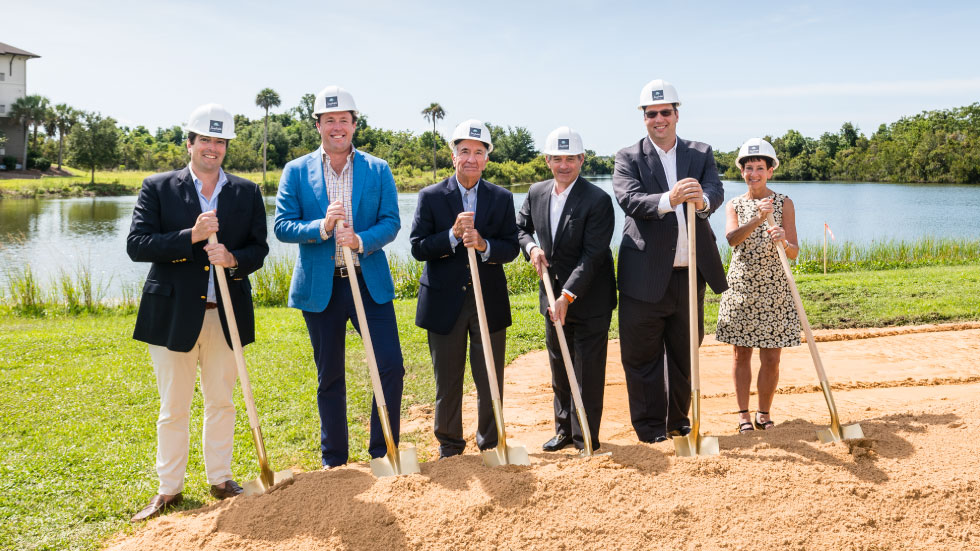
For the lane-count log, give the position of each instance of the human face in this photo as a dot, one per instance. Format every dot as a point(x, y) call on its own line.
point(207, 153)
point(336, 131)
point(756, 175)
point(470, 158)
point(662, 130)
point(565, 168)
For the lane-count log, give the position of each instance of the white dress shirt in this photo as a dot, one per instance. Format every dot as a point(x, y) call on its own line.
point(555, 207)
point(669, 160)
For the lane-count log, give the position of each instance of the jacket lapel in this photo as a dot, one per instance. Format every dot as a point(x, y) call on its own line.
point(482, 204)
point(653, 164)
point(453, 197)
point(357, 183)
point(542, 212)
point(683, 160)
point(314, 164)
point(574, 196)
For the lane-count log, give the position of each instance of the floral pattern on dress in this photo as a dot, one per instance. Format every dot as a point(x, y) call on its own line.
point(757, 310)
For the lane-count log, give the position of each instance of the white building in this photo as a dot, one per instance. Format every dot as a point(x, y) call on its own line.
point(13, 86)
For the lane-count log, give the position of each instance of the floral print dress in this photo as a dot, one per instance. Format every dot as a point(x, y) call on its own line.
point(757, 310)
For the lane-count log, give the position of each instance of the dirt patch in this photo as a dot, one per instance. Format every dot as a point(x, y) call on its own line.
point(911, 483)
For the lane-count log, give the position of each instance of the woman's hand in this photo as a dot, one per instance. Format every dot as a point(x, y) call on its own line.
point(765, 208)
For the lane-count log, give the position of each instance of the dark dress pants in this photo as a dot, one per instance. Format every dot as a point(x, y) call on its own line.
point(328, 331)
point(659, 398)
point(449, 363)
point(587, 342)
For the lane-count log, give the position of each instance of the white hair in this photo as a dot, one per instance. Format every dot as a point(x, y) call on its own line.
point(456, 153)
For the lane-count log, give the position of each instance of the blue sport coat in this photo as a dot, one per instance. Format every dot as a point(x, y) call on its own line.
point(300, 205)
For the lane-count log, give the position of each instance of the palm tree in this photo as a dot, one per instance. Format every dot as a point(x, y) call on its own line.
point(267, 98)
point(30, 111)
point(60, 119)
point(434, 112)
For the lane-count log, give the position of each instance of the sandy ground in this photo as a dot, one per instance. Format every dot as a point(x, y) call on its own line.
point(913, 483)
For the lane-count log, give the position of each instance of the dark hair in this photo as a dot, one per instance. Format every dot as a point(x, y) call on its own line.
point(191, 136)
point(353, 117)
point(753, 158)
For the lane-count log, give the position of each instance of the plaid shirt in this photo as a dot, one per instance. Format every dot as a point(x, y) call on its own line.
point(339, 188)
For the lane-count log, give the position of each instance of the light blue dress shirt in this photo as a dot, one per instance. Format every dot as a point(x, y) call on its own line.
point(206, 205)
point(469, 205)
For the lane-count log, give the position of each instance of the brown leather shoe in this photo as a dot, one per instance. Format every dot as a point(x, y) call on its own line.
point(156, 505)
point(229, 488)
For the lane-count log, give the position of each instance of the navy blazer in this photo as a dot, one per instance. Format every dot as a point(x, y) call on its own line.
point(579, 257)
point(171, 311)
point(646, 255)
point(442, 287)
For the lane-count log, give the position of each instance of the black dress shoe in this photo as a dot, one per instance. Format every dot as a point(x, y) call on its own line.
point(655, 440)
point(680, 431)
point(560, 441)
point(229, 489)
point(156, 505)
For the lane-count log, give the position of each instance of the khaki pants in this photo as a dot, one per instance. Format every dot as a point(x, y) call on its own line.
point(176, 374)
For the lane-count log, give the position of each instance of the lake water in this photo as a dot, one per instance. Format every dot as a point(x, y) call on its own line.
point(63, 234)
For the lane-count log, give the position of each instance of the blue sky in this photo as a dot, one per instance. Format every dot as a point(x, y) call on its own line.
point(741, 68)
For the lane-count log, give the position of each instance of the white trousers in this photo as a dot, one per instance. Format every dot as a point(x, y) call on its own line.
point(176, 377)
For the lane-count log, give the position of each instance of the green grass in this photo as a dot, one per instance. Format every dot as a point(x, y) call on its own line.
point(78, 400)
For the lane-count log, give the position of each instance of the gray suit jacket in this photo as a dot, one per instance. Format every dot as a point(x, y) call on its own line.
point(579, 256)
point(646, 255)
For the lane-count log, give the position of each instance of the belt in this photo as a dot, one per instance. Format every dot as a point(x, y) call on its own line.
point(210, 305)
point(343, 272)
point(680, 268)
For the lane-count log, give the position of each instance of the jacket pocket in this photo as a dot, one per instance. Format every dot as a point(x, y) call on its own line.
point(154, 287)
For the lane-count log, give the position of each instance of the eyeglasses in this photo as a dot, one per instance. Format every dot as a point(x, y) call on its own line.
point(652, 114)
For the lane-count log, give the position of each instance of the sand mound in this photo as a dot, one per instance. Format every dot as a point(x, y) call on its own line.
point(912, 483)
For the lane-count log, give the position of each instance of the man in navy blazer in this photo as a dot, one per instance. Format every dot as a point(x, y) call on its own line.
point(653, 180)
point(334, 197)
point(180, 314)
point(464, 211)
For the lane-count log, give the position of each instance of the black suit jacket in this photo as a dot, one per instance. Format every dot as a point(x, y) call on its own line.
point(446, 274)
point(646, 255)
point(579, 257)
point(171, 311)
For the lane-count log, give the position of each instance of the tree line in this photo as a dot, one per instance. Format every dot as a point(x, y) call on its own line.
point(941, 146)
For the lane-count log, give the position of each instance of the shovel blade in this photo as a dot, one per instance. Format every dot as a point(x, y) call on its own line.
point(514, 454)
point(584, 454)
point(257, 487)
point(688, 446)
point(408, 463)
point(848, 432)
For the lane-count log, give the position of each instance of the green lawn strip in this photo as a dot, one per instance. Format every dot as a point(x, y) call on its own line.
point(78, 399)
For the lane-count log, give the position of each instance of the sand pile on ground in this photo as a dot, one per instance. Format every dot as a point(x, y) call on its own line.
point(913, 483)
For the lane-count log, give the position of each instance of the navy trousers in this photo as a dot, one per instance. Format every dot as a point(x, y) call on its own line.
point(327, 335)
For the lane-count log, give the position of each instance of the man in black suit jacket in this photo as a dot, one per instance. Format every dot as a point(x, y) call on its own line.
point(652, 180)
point(574, 223)
point(180, 314)
point(460, 212)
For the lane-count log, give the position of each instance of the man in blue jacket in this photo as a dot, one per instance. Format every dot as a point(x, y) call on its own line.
point(464, 211)
point(334, 184)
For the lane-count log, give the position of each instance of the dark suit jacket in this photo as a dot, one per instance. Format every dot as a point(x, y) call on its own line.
point(171, 311)
point(646, 255)
point(445, 276)
point(579, 257)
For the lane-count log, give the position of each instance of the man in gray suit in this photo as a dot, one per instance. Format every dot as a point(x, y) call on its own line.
point(652, 180)
point(574, 223)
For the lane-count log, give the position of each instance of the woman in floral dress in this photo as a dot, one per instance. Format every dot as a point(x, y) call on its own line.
point(757, 310)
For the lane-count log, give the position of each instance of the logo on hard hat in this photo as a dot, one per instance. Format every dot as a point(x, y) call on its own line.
point(216, 126)
point(475, 132)
point(331, 101)
point(658, 95)
point(562, 143)
point(753, 149)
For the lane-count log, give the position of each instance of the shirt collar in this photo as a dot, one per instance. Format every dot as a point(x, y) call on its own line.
point(661, 152)
point(323, 154)
point(554, 188)
point(222, 179)
point(463, 190)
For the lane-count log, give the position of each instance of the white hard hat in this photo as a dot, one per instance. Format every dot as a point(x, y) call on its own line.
point(658, 92)
point(212, 120)
point(756, 147)
point(563, 141)
point(472, 129)
point(333, 98)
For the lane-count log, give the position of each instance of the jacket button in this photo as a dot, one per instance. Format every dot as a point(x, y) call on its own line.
point(464, 287)
point(206, 268)
point(204, 298)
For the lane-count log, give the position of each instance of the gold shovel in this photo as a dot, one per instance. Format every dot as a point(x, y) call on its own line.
point(504, 454)
point(266, 478)
point(836, 432)
point(694, 444)
point(395, 462)
point(570, 371)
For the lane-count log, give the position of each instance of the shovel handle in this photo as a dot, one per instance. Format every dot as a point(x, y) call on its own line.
point(481, 313)
point(811, 343)
point(236, 342)
point(569, 368)
point(692, 297)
